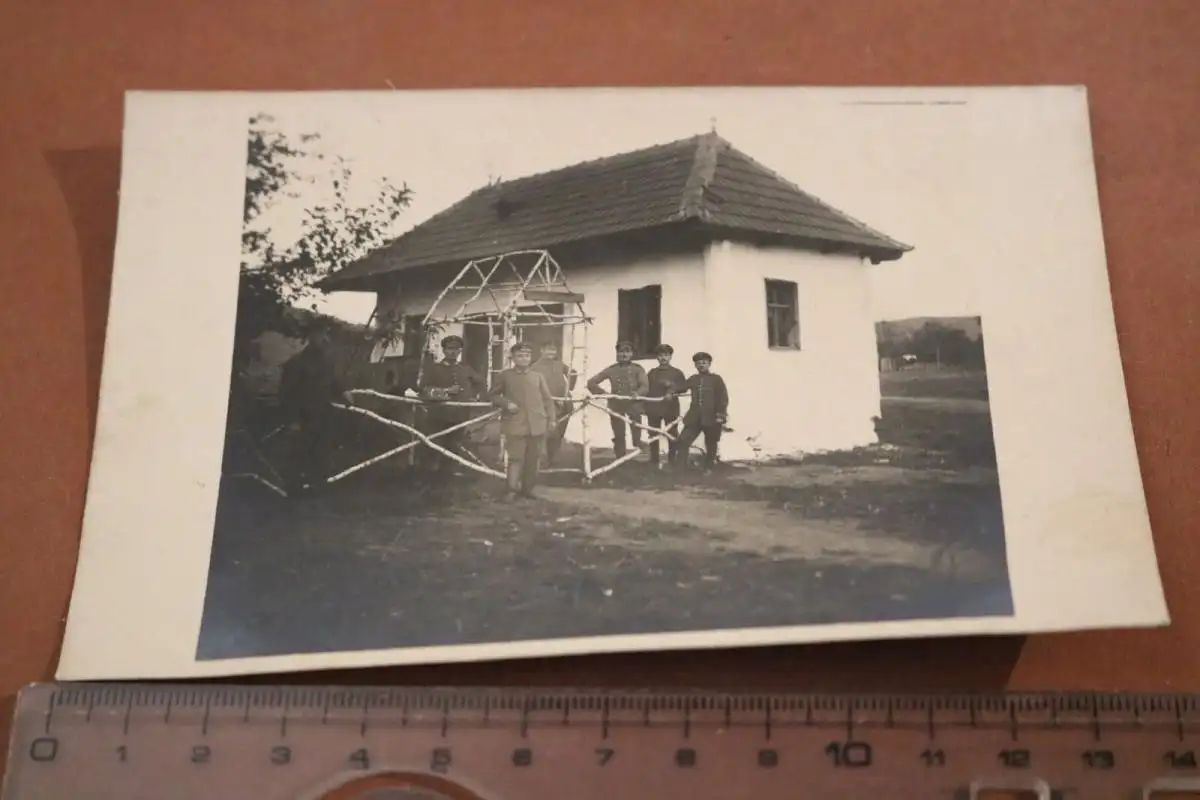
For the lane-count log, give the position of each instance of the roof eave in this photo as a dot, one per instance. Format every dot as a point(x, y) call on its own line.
point(880, 255)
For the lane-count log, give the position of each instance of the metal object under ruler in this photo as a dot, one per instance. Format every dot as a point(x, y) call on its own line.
point(180, 741)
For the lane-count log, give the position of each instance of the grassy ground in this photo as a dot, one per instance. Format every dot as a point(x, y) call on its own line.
point(947, 383)
point(910, 528)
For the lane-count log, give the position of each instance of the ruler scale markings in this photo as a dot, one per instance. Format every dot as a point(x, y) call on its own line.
point(1095, 717)
point(49, 714)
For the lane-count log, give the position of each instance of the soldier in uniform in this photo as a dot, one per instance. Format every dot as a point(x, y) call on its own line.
point(528, 416)
point(308, 386)
point(666, 381)
point(626, 377)
point(561, 380)
point(448, 380)
point(708, 412)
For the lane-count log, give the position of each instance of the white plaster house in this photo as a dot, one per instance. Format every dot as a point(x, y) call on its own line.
point(691, 243)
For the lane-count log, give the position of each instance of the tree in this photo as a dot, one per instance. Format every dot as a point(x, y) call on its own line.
point(274, 280)
point(933, 342)
point(937, 343)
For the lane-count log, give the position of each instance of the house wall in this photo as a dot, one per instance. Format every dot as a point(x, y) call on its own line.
point(683, 313)
point(821, 396)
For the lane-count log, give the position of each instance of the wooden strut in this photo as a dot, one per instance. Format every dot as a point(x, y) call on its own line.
point(259, 455)
point(427, 440)
point(578, 404)
point(277, 488)
point(546, 273)
point(663, 432)
point(260, 479)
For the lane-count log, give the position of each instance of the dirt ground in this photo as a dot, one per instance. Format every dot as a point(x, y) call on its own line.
point(909, 528)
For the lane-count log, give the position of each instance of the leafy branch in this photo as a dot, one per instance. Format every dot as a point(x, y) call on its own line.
point(277, 279)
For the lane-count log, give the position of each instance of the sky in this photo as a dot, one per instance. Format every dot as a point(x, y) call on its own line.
point(904, 168)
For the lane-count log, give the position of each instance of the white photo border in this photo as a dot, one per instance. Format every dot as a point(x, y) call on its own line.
point(1079, 544)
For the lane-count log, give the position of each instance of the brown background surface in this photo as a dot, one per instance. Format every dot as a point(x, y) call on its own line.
point(65, 65)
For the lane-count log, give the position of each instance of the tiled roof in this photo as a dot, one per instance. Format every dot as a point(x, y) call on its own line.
point(702, 179)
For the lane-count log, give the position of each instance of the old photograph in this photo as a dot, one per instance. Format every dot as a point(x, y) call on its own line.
point(398, 377)
point(646, 392)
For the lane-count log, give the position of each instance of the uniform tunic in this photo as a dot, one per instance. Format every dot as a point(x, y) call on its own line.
point(445, 375)
point(535, 414)
point(559, 378)
point(664, 380)
point(710, 400)
point(627, 378)
point(555, 372)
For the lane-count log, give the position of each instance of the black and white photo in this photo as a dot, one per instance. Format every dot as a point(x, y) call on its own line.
point(514, 373)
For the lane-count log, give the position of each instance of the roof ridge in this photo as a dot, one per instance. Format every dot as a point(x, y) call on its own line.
point(864, 227)
point(590, 162)
point(693, 205)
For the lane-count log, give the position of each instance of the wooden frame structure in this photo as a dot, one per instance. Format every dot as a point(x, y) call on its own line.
point(512, 294)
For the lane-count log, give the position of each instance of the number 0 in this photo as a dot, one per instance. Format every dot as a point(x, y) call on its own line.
point(850, 754)
point(43, 749)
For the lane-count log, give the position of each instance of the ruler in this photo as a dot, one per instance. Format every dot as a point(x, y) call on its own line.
point(183, 741)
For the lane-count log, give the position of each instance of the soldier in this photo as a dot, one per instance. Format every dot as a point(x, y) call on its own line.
point(708, 412)
point(528, 416)
point(561, 380)
point(448, 380)
point(627, 378)
point(665, 380)
point(309, 385)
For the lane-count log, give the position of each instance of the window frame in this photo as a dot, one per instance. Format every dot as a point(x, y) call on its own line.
point(644, 331)
point(787, 341)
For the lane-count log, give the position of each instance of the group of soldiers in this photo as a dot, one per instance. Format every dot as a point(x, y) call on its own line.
point(654, 395)
point(534, 400)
